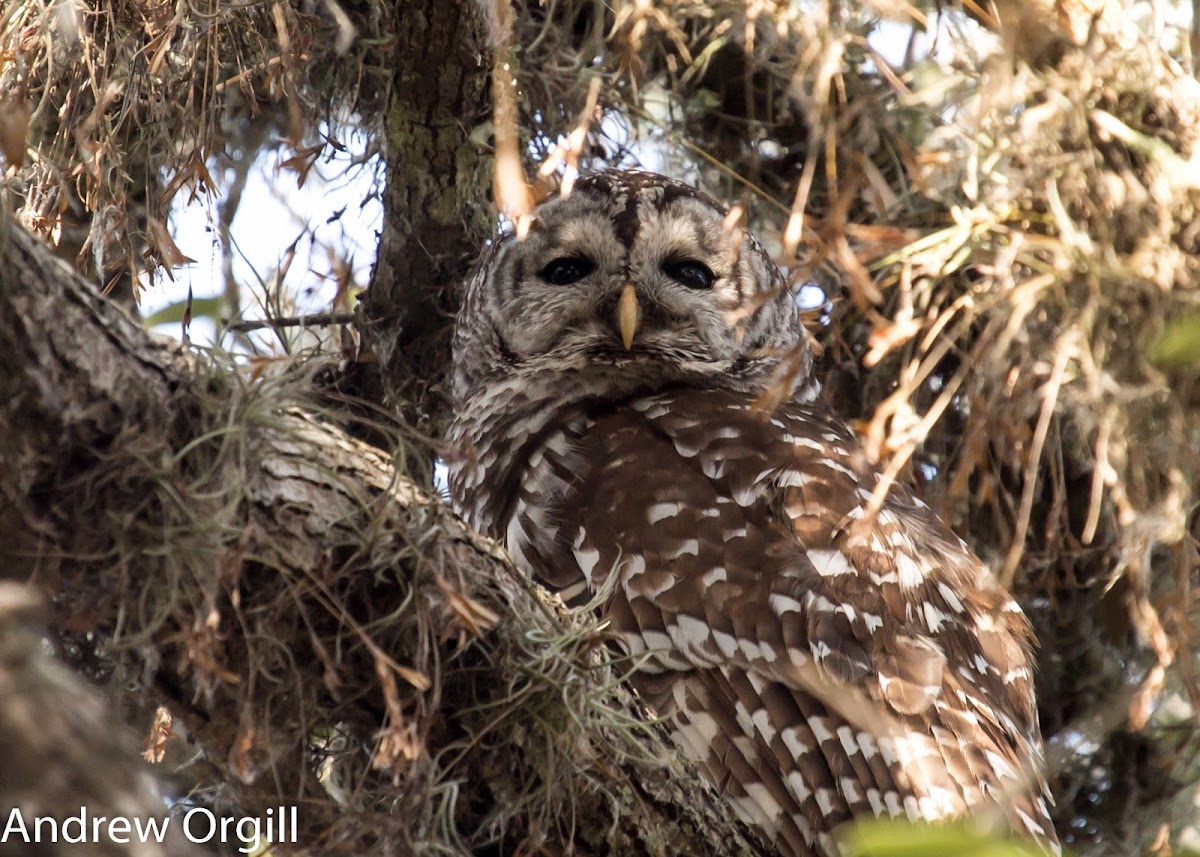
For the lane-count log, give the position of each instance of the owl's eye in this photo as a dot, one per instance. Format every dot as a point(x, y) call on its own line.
point(567, 269)
point(690, 273)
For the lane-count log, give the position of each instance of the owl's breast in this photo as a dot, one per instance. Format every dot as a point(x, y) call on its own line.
point(616, 505)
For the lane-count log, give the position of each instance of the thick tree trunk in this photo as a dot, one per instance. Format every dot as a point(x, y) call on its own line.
point(436, 214)
point(274, 585)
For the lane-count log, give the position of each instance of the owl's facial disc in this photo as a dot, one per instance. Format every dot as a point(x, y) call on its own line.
point(655, 280)
point(633, 282)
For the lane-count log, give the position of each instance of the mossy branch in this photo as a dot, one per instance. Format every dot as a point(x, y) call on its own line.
point(314, 629)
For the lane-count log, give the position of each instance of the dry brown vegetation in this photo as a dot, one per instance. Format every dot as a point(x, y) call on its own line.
point(1006, 233)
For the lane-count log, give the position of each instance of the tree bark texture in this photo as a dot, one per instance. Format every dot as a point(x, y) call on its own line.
point(436, 215)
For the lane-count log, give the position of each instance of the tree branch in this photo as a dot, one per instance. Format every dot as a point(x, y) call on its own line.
point(314, 319)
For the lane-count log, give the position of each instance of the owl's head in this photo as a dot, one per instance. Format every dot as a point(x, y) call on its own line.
point(631, 283)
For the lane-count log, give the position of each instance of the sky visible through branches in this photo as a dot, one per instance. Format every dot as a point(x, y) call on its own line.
point(337, 211)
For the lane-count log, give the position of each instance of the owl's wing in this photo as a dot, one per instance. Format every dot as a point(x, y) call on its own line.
point(868, 661)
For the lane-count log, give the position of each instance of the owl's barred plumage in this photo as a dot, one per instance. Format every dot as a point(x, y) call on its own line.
point(820, 662)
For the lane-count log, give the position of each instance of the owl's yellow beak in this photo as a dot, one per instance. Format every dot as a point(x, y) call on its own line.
point(629, 315)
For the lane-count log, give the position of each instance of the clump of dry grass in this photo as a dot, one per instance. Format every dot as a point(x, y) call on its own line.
point(1063, 451)
point(131, 105)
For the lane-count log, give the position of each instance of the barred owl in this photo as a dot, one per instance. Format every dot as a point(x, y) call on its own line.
point(819, 659)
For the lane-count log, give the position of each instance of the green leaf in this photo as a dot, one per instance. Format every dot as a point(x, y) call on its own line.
point(1178, 346)
point(878, 837)
point(173, 313)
